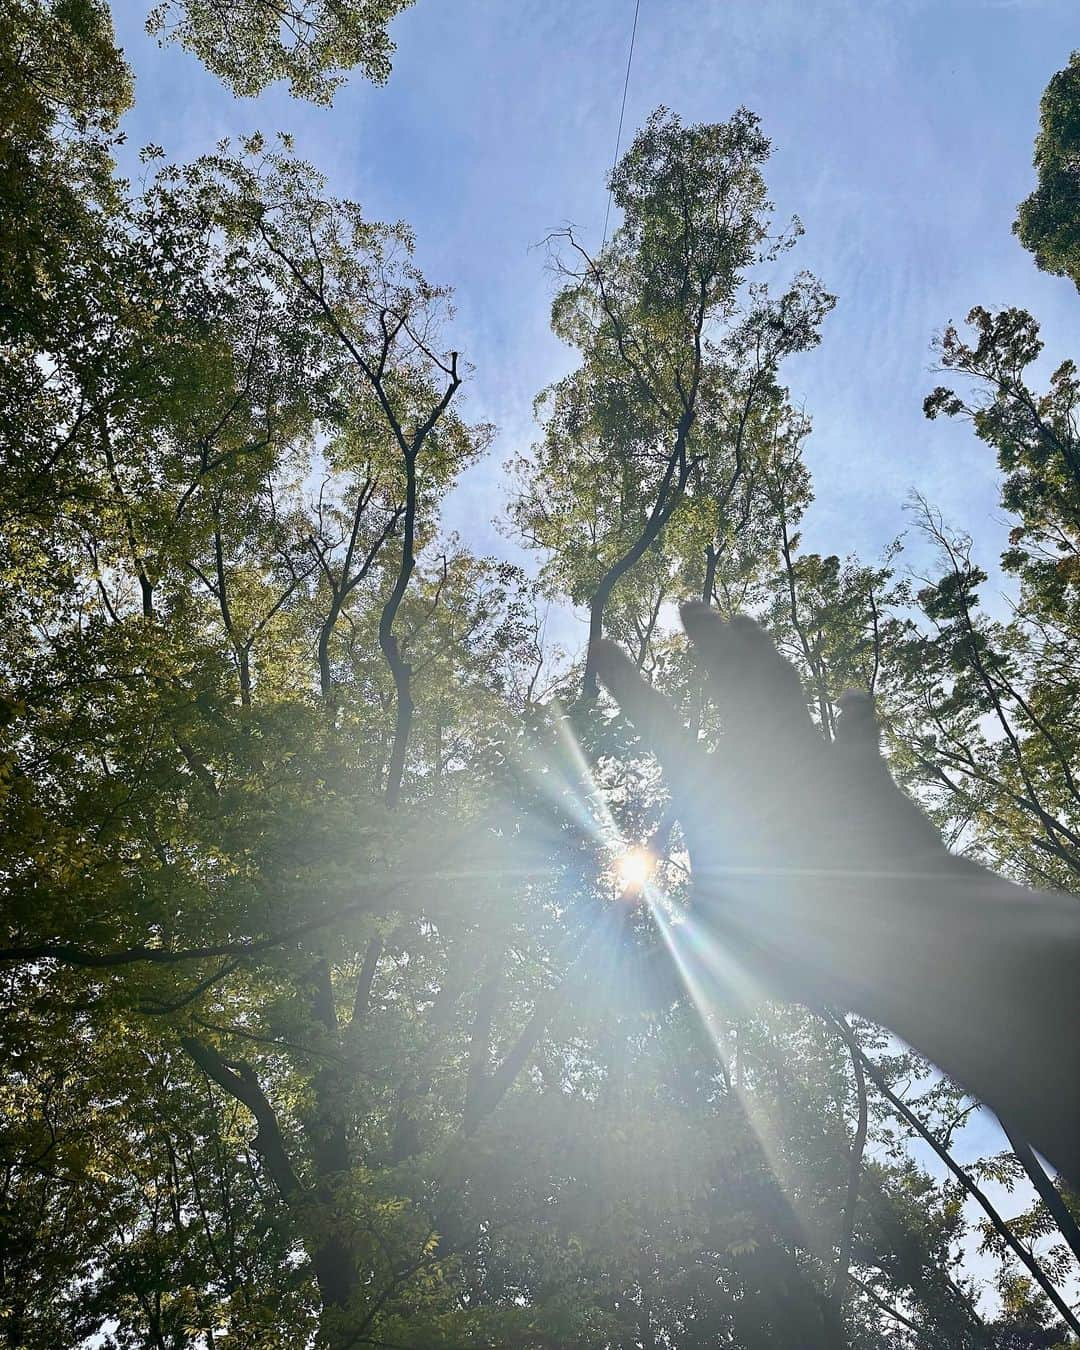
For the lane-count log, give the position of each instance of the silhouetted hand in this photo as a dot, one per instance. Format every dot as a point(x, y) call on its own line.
point(815, 878)
point(776, 814)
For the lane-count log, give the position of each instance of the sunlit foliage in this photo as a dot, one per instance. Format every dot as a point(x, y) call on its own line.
point(328, 1016)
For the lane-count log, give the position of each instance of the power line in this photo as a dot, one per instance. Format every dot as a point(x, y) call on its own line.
point(622, 113)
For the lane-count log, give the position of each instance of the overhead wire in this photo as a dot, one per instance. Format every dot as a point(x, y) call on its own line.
point(622, 114)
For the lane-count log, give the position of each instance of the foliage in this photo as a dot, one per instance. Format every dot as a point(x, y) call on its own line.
point(326, 1022)
point(678, 371)
point(310, 43)
point(1046, 222)
point(993, 732)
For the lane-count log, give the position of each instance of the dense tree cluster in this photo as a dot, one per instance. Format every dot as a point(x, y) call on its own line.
point(325, 1019)
point(1047, 220)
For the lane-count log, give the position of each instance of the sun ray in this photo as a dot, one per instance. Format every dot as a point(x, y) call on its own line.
point(690, 945)
point(700, 959)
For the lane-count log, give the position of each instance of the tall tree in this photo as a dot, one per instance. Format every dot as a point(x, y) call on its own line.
point(679, 351)
point(328, 1020)
point(310, 43)
point(1048, 222)
point(1013, 785)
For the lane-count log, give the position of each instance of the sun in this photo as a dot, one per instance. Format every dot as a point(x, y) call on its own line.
point(633, 869)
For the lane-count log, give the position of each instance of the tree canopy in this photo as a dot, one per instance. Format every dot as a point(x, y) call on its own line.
point(312, 44)
point(329, 1020)
point(1047, 220)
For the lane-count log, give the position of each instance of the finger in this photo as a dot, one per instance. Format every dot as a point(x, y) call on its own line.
point(892, 824)
point(856, 749)
point(656, 721)
point(857, 730)
point(759, 693)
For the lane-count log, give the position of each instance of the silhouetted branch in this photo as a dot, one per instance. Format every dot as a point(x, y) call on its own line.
point(969, 1184)
point(239, 1081)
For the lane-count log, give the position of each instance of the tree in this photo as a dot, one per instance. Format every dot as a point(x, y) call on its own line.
point(1047, 221)
point(65, 88)
point(679, 355)
point(310, 43)
point(1013, 786)
point(186, 582)
point(327, 1020)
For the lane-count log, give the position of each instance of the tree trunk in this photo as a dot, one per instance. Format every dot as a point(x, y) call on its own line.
point(1047, 1191)
point(334, 1258)
point(243, 658)
point(712, 557)
point(668, 497)
point(326, 681)
point(400, 669)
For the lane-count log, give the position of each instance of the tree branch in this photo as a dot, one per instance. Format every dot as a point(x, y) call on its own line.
point(977, 1194)
point(242, 1084)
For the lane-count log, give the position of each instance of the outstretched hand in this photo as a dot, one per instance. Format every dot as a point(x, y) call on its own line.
point(818, 880)
point(776, 814)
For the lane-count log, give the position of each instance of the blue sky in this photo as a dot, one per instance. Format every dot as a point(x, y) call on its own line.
point(902, 131)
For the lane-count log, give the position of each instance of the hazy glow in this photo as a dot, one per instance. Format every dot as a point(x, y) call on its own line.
point(634, 868)
point(719, 988)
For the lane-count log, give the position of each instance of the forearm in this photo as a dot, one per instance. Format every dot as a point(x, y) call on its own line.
point(992, 995)
point(979, 975)
point(983, 977)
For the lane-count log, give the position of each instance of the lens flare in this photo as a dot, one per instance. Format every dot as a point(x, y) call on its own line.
point(634, 868)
